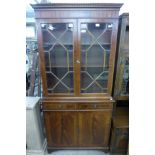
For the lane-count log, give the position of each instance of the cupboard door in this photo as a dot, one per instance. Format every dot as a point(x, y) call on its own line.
point(119, 140)
point(94, 128)
point(61, 128)
point(58, 54)
point(97, 46)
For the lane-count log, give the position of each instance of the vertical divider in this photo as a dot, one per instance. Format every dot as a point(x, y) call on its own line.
point(112, 56)
point(77, 65)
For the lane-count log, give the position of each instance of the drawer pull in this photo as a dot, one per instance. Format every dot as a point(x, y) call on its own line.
point(95, 106)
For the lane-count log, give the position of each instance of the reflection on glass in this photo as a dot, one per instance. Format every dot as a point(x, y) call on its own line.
point(58, 53)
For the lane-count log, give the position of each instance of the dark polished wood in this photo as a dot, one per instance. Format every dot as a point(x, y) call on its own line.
point(77, 5)
point(122, 98)
point(77, 10)
point(94, 128)
point(120, 138)
point(61, 128)
point(77, 120)
point(120, 131)
point(120, 128)
point(88, 124)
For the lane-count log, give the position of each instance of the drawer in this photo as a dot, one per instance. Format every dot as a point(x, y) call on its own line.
point(59, 106)
point(95, 106)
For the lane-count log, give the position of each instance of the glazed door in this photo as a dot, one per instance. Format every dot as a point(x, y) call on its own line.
point(77, 56)
point(121, 91)
point(94, 128)
point(97, 47)
point(57, 51)
point(61, 128)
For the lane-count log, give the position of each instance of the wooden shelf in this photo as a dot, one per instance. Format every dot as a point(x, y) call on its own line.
point(121, 122)
point(121, 118)
point(72, 44)
point(57, 44)
point(97, 44)
point(73, 66)
point(122, 98)
point(94, 66)
point(59, 67)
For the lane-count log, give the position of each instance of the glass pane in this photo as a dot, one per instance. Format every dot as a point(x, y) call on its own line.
point(126, 39)
point(95, 53)
point(58, 53)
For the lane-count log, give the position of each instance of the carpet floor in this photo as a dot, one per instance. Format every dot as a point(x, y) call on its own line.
point(78, 152)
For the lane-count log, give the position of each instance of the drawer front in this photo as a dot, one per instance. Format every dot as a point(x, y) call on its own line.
point(76, 106)
point(84, 106)
point(59, 106)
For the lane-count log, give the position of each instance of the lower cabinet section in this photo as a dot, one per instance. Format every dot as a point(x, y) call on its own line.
point(78, 128)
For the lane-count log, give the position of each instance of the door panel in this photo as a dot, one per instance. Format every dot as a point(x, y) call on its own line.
point(78, 55)
point(61, 128)
point(97, 39)
point(94, 128)
point(57, 52)
point(120, 138)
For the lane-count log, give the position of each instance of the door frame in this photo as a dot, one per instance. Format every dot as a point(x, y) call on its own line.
point(42, 59)
point(112, 53)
